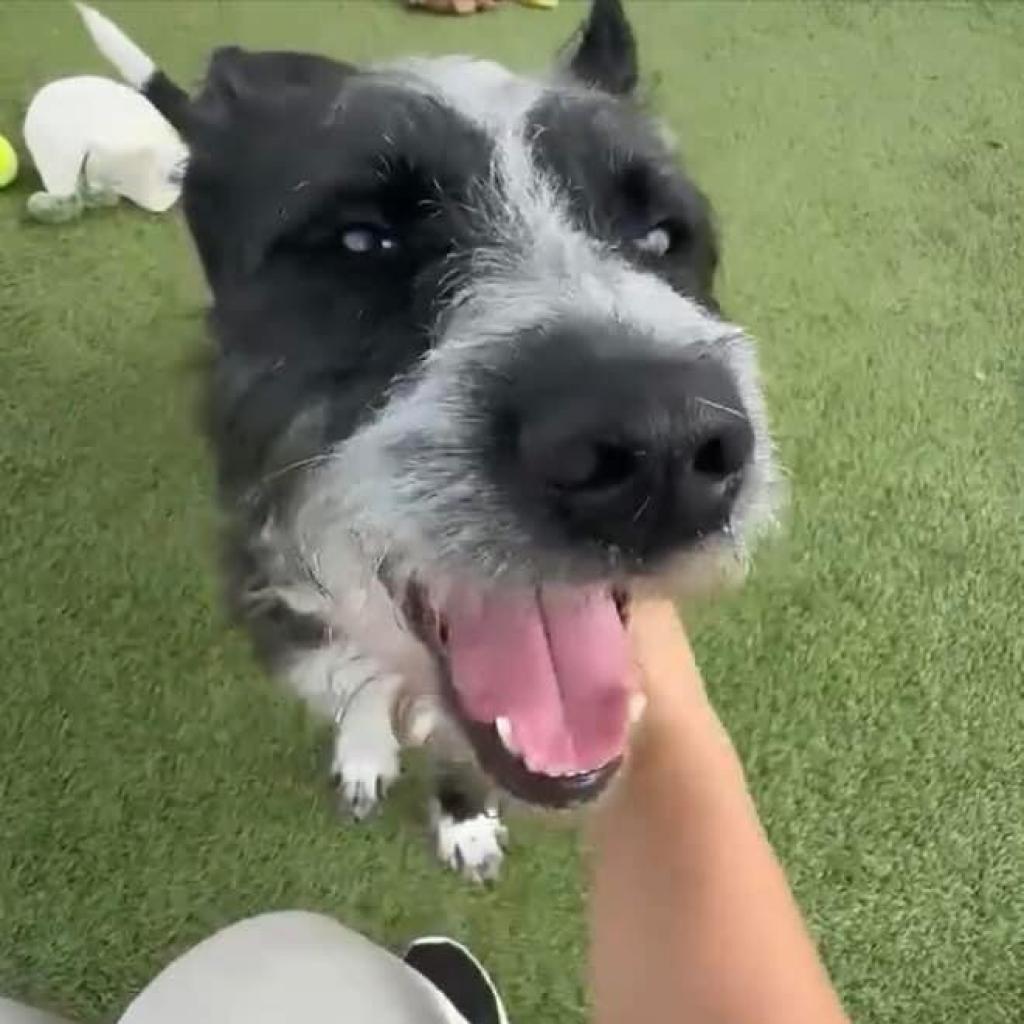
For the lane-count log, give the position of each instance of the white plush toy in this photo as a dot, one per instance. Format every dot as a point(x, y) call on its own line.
point(94, 140)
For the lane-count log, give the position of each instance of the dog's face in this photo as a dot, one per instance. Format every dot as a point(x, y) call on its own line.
point(471, 360)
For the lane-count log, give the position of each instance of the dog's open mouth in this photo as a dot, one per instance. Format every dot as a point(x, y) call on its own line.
point(540, 681)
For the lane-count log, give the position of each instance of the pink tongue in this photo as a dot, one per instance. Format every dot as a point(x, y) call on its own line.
point(554, 663)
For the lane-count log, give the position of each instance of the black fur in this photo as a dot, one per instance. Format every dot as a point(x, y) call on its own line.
point(461, 793)
point(605, 53)
point(302, 326)
point(621, 179)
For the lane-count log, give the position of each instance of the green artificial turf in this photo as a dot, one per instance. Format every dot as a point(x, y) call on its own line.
point(867, 164)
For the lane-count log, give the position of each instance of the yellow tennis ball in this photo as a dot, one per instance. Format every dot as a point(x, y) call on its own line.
point(8, 163)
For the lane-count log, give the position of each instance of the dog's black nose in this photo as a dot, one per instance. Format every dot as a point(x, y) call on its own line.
point(642, 453)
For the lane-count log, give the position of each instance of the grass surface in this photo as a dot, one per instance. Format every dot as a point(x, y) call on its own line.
point(867, 165)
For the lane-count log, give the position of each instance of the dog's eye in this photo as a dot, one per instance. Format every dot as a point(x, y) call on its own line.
point(659, 241)
point(366, 239)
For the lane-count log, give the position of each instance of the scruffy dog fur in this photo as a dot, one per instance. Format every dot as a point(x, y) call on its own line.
point(470, 389)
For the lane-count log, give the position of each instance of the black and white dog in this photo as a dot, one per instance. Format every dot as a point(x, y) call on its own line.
point(471, 388)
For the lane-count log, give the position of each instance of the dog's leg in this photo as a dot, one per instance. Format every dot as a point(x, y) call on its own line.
point(339, 681)
point(468, 833)
point(366, 751)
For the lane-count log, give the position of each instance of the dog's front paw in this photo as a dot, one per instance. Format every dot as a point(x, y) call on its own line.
point(366, 750)
point(363, 772)
point(472, 847)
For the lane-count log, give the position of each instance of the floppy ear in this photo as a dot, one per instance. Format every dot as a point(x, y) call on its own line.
point(603, 52)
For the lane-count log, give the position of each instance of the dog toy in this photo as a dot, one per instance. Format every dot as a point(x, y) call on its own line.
point(94, 140)
point(8, 163)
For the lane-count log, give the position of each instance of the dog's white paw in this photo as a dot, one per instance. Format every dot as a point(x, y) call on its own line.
point(473, 847)
point(363, 782)
point(364, 767)
point(366, 750)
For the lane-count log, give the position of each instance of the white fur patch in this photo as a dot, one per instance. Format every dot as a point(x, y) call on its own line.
point(474, 848)
point(482, 91)
point(365, 747)
point(135, 66)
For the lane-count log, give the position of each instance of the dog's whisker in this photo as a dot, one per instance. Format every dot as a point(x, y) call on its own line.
point(721, 408)
point(732, 336)
point(293, 467)
point(644, 506)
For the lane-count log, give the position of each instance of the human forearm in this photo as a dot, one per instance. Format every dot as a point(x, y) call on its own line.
point(692, 917)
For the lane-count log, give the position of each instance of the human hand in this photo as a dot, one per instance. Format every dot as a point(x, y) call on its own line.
point(667, 671)
point(678, 709)
point(454, 6)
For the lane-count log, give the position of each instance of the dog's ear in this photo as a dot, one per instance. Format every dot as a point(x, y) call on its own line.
point(228, 80)
point(228, 72)
point(603, 53)
point(272, 80)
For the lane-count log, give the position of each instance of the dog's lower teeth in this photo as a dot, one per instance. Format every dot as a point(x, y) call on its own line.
point(504, 729)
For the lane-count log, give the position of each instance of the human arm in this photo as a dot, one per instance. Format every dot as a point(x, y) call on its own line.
point(692, 919)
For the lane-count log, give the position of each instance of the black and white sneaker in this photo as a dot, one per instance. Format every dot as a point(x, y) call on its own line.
point(453, 970)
